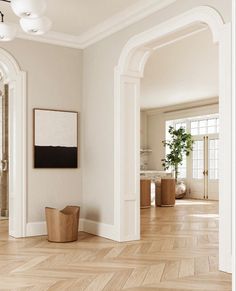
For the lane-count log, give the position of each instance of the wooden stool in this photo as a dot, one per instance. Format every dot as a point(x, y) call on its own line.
point(167, 192)
point(145, 193)
point(62, 225)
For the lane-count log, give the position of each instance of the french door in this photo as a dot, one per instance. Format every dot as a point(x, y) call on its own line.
point(203, 168)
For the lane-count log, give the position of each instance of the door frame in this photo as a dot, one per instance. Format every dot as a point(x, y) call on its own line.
point(128, 74)
point(16, 79)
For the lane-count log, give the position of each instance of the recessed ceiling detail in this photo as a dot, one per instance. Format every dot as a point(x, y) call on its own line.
point(82, 23)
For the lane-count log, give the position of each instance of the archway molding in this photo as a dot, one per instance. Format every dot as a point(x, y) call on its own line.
point(128, 74)
point(16, 79)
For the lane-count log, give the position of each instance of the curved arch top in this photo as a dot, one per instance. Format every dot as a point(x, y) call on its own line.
point(141, 45)
point(9, 65)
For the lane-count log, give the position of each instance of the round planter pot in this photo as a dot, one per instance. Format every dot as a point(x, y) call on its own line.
point(180, 190)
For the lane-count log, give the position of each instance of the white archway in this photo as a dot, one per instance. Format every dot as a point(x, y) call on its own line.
point(127, 110)
point(17, 143)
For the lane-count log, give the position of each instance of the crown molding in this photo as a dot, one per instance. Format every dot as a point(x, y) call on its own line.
point(113, 24)
point(122, 20)
point(53, 37)
point(183, 106)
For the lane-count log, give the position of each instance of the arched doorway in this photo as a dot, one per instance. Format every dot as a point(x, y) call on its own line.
point(16, 80)
point(127, 126)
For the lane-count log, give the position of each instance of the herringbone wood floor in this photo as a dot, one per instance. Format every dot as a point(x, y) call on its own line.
point(178, 251)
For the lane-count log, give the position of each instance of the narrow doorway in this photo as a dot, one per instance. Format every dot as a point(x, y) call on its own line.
point(4, 177)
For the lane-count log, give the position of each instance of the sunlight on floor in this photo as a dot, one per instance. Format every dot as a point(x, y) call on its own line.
point(205, 215)
point(192, 202)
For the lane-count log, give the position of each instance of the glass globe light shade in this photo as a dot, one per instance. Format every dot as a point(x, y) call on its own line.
point(7, 31)
point(28, 8)
point(35, 26)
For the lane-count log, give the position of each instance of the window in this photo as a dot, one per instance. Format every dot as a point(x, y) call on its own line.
point(198, 160)
point(177, 124)
point(180, 124)
point(205, 126)
point(183, 168)
point(200, 125)
point(213, 159)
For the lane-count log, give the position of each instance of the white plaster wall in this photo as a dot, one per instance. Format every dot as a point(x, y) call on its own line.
point(54, 81)
point(98, 107)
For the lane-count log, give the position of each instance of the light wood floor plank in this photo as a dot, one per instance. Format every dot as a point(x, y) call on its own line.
point(178, 251)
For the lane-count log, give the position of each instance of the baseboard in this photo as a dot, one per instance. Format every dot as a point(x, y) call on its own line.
point(90, 226)
point(36, 228)
point(99, 228)
point(225, 263)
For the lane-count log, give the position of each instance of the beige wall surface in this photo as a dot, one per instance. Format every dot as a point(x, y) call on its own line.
point(54, 76)
point(99, 62)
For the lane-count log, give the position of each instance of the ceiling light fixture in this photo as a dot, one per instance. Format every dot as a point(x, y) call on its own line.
point(32, 21)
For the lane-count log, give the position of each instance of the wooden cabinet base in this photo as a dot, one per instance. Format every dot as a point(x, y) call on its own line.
point(168, 192)
point(145, 193)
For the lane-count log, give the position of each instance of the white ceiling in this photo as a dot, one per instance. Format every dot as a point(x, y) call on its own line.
point(78, 23)
point(184, 71)
point(77, 16)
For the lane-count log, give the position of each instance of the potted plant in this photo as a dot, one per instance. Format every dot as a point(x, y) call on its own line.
point(180, 144)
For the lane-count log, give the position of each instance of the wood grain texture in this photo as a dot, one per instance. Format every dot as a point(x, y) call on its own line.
point(178, 252)
point(62, 226)
point(167, 192)
point(145, 193)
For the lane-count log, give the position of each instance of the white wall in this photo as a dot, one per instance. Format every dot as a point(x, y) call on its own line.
point(100, 60)
point(54, 81)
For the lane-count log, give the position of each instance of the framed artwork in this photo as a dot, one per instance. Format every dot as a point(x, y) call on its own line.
point(55, 139)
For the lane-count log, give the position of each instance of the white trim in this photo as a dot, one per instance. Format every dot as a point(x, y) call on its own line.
point(17, 143)
point(98, 228)
point(104, 29)
point(39, 228)
point(131, 64)
point(233, 147)
point(56, 38)
point(201, 14)
point(180, 38)
point(214, 101)
point(36, 228)
point(122, 20)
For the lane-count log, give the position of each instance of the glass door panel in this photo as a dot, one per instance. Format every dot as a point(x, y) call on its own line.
point(203, 181)
point(196, 187)
point(213, 170)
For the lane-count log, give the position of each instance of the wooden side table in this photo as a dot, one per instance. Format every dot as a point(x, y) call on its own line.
point(145, 193)
point(168, 192)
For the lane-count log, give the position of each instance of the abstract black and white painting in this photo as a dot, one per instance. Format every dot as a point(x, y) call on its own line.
point(55, 139)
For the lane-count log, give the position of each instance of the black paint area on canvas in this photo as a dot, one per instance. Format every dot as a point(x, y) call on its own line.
point(55, 157)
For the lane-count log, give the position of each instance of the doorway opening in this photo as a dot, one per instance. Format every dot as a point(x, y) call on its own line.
point(14, 153)
point(127, 121)
point(4, 198)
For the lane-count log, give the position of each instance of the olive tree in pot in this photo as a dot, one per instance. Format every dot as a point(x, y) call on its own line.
point(180, 145)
